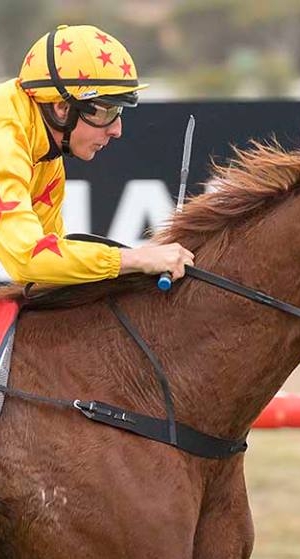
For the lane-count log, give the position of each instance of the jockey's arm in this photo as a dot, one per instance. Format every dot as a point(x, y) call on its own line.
point(28, 254)
point(32, 243)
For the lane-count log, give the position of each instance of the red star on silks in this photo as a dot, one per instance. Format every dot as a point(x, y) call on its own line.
point(64, 46)
point(126, 68)
point(83, 76)
point(105, 57)
point(45, 196)
point(50, 242)
point(103, 38)
point(29, 59)
point(31, 92)
point(7, 206)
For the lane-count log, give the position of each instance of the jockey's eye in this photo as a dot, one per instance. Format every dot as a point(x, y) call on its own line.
point(104, 116)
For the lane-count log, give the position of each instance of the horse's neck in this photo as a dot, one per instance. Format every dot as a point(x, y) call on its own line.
point(224, 356)
point(240, 352)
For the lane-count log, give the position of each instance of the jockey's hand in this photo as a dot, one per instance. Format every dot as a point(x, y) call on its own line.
point(155, 259)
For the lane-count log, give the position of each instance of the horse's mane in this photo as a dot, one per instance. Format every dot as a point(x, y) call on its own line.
point(251, 182)
point(254, 180)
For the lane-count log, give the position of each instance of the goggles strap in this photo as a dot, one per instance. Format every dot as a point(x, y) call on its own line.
point(71, 123)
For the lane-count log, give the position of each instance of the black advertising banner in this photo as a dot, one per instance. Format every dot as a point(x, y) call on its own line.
point(133, 183)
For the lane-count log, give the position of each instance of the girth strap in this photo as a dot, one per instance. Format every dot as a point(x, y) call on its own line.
point(188, 439)
point(166, 431)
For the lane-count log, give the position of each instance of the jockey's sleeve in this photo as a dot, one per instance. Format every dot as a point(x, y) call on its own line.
point(32, 243)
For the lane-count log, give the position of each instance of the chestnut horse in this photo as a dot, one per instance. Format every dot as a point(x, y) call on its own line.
point(73, 488)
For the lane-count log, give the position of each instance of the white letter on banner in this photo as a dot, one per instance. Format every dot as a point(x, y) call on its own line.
point(143, 201)
point(77, 206)
point(3, 275)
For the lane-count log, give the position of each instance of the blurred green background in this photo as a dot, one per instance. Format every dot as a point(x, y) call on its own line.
point(196, 49)
point(186, 48)
point(273, 481)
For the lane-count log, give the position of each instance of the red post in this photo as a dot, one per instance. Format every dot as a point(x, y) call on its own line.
point(282, 411)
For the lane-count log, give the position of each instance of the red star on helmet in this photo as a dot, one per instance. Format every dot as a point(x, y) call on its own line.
point(126, 68)
point(64, 46)
point(45, 196)
point(83, 76)
point(29, 59)
point(7, 206)
point(103, 38)
point(49, 242)
point(105, 57)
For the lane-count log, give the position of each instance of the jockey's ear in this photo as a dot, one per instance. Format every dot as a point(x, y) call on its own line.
point(61, 110)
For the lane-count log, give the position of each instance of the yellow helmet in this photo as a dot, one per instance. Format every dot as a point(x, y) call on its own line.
point(80, 63)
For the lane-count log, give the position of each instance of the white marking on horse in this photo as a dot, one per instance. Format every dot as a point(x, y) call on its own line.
point(53, 497)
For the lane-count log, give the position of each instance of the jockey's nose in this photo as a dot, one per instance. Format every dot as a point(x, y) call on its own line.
point(115, 128)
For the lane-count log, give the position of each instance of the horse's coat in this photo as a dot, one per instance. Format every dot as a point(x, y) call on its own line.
point(72, 488)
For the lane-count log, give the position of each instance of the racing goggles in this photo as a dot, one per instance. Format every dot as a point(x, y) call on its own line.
point(102, 116)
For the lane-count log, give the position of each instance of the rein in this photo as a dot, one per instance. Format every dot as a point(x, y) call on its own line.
point(207, 277)
point(242, 290)
point(167, 431)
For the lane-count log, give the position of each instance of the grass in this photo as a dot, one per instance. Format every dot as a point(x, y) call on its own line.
point(273, 481)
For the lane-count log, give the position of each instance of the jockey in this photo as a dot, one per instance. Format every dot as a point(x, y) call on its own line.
point(68, 99)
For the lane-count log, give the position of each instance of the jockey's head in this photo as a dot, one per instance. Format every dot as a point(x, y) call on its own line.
point(79, 72)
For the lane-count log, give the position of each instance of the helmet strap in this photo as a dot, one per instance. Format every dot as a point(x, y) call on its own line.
point(53, 70)
point(75, 106)
point(71, 123)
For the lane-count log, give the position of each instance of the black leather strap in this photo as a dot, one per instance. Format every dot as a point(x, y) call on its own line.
point(188, 439)
point(211, 278)
point(90, 238)
point(158, 368)
point(243, 291)
point(57, 82)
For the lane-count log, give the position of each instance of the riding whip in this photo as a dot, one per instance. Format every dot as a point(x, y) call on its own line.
point(165, 281)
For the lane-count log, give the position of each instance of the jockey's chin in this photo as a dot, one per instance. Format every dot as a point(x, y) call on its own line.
point(86, 153)
point(87, 140)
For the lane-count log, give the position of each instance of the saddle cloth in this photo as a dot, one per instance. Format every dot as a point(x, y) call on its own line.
point(8, 318)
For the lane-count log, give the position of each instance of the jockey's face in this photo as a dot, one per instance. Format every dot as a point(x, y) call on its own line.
point(85, 139)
